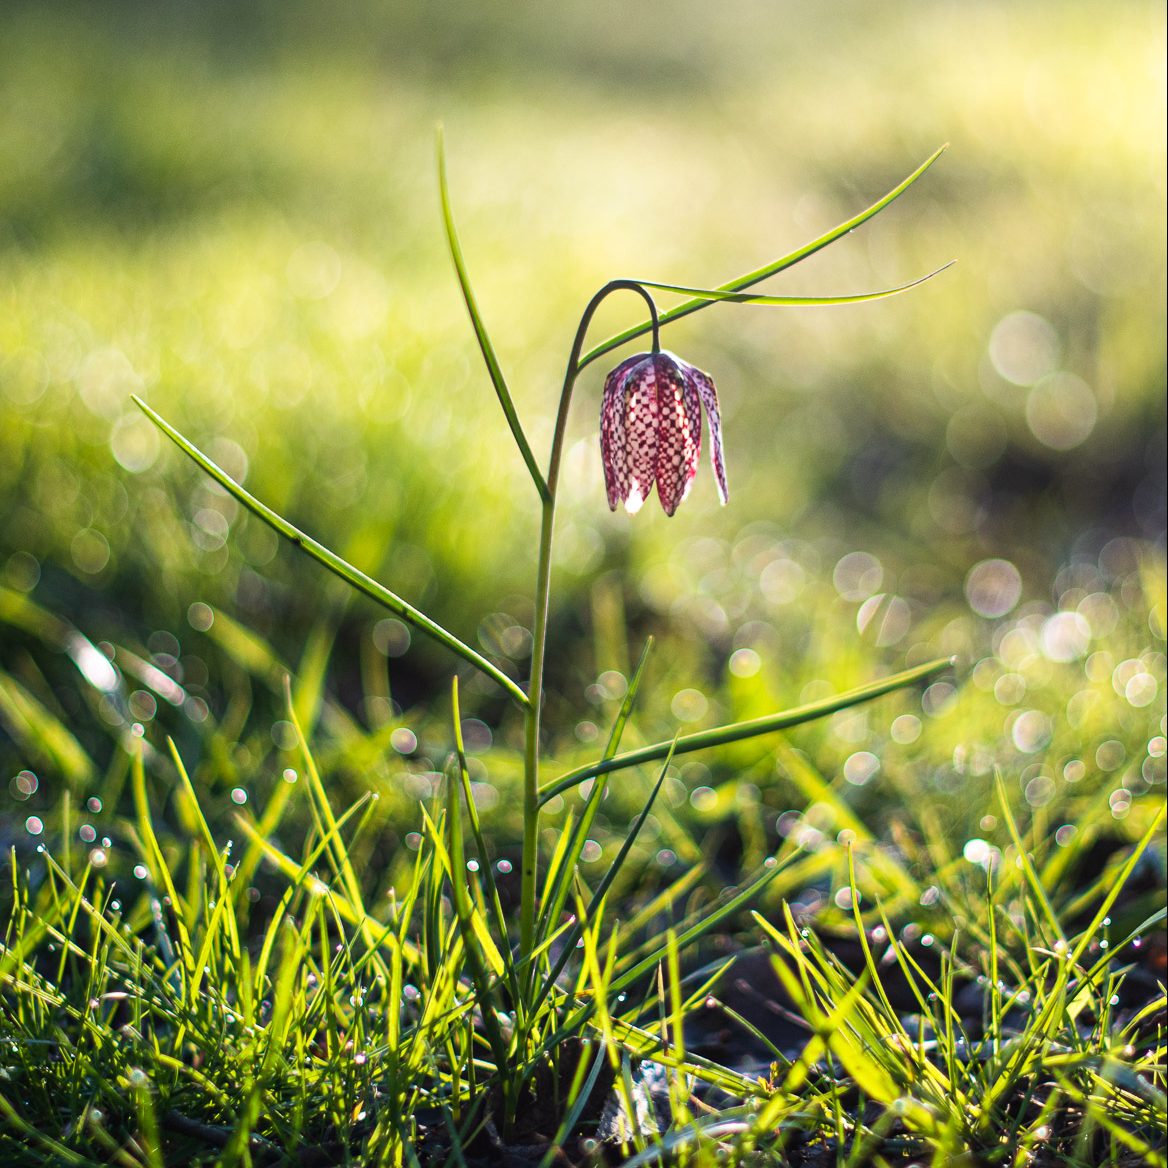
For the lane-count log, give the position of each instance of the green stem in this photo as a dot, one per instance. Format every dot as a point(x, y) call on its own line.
point(531, 799)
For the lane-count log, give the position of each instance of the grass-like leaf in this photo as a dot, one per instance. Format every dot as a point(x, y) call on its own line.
point(476, 320)
point(771, 269)
point(737, 731)
point(332, 561)
point(759, 298)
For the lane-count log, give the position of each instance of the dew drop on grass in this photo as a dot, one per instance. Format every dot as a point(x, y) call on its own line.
point(24, 785)
point(993, 588)
point(939, 699)
point(1110, 755)
point(745, 663)
point(906, 729)
point(503, 866)
point(238, 795)
point(860, 768)
point(86, 833)
point(689, 705)
point(34, 826)
point(703, 798)
point(290, 776)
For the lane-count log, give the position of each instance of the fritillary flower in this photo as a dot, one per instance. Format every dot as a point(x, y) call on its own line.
point(651, 430)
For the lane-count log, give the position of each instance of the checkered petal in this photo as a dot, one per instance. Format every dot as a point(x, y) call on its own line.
point(642, 418)
point(614, 445)
point(709, 398)
point(651, 430)
point(679, 431)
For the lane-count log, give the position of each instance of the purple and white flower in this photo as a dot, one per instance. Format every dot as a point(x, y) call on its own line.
point(651, 430)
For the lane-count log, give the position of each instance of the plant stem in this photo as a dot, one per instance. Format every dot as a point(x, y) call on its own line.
point(531, 801)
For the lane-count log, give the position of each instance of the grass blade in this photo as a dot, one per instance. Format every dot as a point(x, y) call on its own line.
point(560, 877)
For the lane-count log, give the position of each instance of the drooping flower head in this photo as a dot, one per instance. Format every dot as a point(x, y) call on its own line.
point(651, 430)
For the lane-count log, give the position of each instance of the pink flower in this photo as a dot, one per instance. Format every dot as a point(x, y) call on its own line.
point(651, 430)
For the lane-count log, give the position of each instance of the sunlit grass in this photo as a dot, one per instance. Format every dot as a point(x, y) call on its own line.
point(310, 992)
point(263, 881)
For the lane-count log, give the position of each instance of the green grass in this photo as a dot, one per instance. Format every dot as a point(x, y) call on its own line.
point(262, 963)
point(263, 902)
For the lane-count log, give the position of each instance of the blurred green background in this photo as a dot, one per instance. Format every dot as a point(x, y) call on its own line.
point(232, 211)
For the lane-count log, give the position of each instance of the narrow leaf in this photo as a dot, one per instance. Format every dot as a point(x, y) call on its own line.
point(488, 350)
point(789, 301)
point(760, 274)
point(331, 560)
point(737, 731)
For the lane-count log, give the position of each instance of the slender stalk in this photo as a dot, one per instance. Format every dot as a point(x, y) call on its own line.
point(531, 800)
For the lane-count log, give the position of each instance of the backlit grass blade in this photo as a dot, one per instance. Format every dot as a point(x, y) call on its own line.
point(760, 274)
point(595, 909)
point(1032, 878)
point(724, 909)
point(758, 298)
point(488, 350)
point(482, 955)
point(559, 880)
point(42, 734)
point(332, 561)
point(737, 731)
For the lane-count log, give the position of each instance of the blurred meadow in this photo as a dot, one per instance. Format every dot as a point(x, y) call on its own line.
point(232, 211)
point(234, 214)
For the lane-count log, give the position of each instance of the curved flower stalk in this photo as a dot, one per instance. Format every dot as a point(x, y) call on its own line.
point(651, 430)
